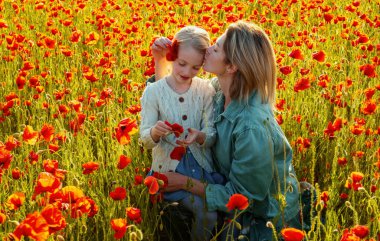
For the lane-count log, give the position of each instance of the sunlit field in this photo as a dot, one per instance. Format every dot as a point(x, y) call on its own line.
point(72, 74)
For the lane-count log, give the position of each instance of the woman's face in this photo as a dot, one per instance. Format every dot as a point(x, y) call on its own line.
point(215, 57)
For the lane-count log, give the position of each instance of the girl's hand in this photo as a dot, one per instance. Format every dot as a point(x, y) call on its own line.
point(193, 136)
point(160, 48)
point(159, 130)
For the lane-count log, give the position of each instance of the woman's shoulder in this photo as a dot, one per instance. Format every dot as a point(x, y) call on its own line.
point(253, 117)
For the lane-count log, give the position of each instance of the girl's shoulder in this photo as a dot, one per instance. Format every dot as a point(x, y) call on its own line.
point(203, 84)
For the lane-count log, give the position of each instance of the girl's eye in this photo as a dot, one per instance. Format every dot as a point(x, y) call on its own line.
point(196, 68)
point(181, 64)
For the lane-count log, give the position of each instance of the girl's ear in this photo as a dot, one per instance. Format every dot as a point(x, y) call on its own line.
point(231, 68)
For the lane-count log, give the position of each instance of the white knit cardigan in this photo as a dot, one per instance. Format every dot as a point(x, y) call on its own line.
point(192, 109)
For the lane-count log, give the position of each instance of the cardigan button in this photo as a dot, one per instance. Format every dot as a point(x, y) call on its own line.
point(181, 99)
point(184, 117)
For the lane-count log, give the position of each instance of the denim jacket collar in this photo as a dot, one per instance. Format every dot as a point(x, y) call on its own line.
point(235, 106)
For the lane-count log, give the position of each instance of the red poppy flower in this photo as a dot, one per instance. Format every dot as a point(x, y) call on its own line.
point(177, 128)
point(319, 56)
point(3, 217)
point(123, 162)
point(325, 197)
point(357, 129)
point(76, 36)
point(53, 148)
point(50, 165)
point(80, 207)
point(292, 234)
point(286, 70)
point(118, 194)
point(119, 226)
point(328, 17)
point(360, 230)
point(152, 184)
point(125, 129)
point(173, 51)
point(296, 54)
point(46, 182)
point(138, 180)
point(3, 24)
point(11, 143)
point(178, 153)
point(237, 201)
point(29, 135)
point(90, 167)
point(342, 161)
point(134, 214)
point(5, 158)
point(357, 176)
point(162, 179)
point(33, 226)
point(369, 92)
point(368, 70)
point(54, 218)
point(369, 107)
point(16, 173)
point(49, 42)
point(15, 200)
point(70, 194)
point(349, 236)
point(343, 196)
point(92, 38)
point(302, 84)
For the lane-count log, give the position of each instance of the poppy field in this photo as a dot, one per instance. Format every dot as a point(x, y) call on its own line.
point(72, 74)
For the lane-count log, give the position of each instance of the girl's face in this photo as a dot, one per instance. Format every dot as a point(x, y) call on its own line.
point(187, 65)
point(215, 57)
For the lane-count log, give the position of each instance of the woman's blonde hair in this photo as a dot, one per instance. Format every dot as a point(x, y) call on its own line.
point(248, 47)
point(193, 36)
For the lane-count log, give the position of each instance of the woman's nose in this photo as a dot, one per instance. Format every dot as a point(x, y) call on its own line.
point(208, 50)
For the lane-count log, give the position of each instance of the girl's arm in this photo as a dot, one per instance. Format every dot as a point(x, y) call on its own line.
point(149, 117)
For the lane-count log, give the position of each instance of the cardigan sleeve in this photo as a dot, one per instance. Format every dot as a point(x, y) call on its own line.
point(149, 116)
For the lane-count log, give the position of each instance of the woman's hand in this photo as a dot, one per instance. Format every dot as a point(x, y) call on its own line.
point(194, 135)
point(159, 130)
point(160, 48)
point(176, 181)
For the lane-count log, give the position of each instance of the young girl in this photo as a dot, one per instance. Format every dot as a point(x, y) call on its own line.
point(186, 100)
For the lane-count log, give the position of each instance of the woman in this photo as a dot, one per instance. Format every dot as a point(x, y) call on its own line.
point(250, 150)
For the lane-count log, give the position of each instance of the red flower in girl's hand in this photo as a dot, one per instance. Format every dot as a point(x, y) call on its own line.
point(178, 153)
point(177, 128)
point(173, 51)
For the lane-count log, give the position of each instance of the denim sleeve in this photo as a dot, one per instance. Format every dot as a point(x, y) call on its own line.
point(251, 170)
point(151, 79)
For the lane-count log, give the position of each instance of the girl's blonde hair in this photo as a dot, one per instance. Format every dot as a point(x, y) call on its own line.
point(193, 36)
point(248, 47)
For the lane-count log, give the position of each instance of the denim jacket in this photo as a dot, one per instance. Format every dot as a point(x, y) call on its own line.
point(253, 153)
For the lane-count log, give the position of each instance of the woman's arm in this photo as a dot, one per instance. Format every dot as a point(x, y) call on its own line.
point(159, 50)
point(177, 181)
point(251, 172)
